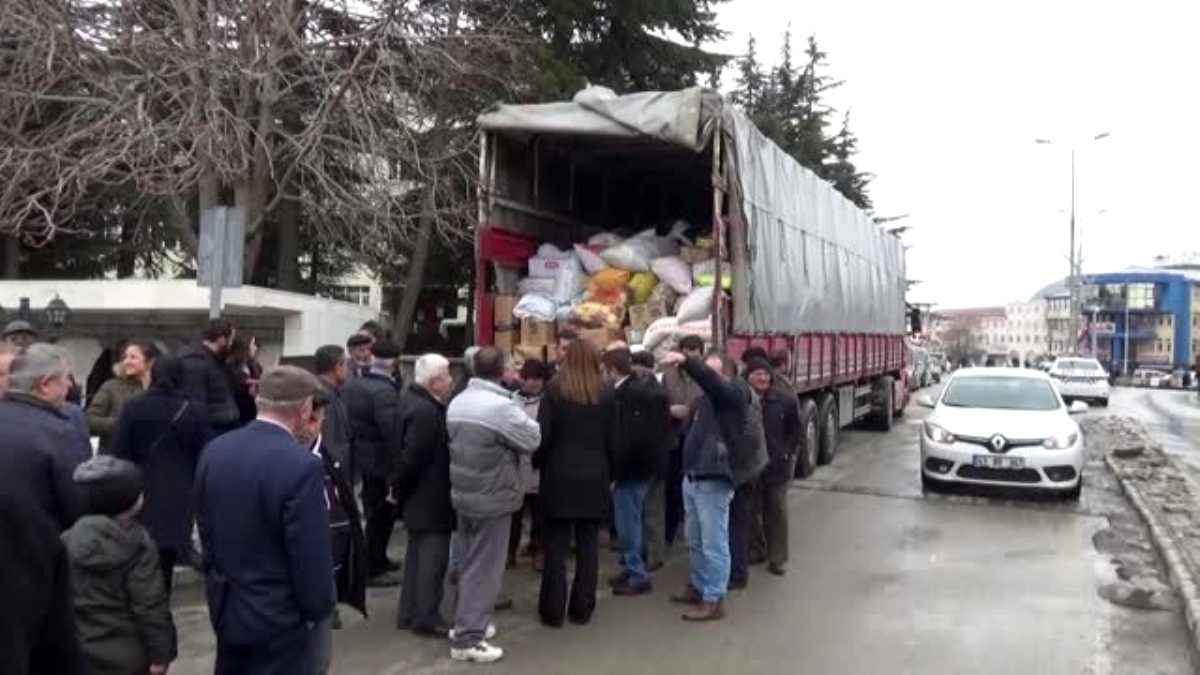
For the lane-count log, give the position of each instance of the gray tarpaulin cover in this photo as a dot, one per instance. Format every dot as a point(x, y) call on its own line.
point(815, 261)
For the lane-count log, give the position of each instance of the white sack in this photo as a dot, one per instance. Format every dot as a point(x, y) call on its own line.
point(696, 306)
point(590, 258)
point(658, 331)
point(535, 306)
point(535, 285)
point(674, 272)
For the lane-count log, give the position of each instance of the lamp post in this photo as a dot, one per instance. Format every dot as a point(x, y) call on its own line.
point(57, 312)
point(1071, 280)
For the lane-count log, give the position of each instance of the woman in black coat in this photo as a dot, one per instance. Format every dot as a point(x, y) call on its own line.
point(163, 433)
point(575, 459)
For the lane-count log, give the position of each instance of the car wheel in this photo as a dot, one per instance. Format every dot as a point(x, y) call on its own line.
point(810, 440)
point(885, 405)
point(929, 485)
point(1074, 493)
point(1103, 403)
point(827, 417)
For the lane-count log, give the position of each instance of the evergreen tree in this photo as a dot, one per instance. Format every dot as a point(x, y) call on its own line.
point(789, 107)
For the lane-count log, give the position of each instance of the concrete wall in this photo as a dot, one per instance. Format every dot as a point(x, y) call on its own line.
point(174, 312)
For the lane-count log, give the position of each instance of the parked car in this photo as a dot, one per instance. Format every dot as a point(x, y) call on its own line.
point(1011, 427)
point(1148, 377)
point(1081, 378)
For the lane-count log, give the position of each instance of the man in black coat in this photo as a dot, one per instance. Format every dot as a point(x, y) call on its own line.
point(642, 433)
point(373, 404)
point(781, 426)
point(205, 378)
point(335, 433)
point(39, 444)
point(422, 488)
point(37, 619)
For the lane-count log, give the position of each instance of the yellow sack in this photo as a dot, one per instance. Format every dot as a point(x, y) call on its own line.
point(610, 279)
point(596, 314)
point(642, 284)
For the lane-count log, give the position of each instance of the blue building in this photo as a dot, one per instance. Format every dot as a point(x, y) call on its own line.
point(1142, 317)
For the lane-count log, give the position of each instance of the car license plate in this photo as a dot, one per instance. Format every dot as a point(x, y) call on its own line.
point(999, 462)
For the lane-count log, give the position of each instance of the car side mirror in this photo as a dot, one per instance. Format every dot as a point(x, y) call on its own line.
point(1078, 407)
point(925, 401)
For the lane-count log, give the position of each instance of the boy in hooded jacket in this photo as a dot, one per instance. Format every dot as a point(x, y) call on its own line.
point(122, 611)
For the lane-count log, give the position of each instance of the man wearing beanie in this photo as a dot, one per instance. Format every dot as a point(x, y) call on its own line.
point(122, 611)
point(781, 430)
point(264, 524)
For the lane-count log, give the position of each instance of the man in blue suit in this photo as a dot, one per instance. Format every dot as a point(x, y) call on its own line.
point(264, 525)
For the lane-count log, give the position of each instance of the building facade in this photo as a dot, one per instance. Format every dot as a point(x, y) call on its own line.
point(1142, 317)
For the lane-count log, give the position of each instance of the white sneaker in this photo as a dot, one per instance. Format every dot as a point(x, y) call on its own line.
point(488, 633)
point(480, 653)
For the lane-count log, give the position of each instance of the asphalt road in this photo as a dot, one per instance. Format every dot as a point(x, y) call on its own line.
point(882, 580)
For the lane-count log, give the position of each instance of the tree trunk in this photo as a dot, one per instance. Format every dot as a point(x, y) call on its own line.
point(414, 276)
point(12, 257)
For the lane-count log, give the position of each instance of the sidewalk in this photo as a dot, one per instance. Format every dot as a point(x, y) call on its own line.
point(1168, 499)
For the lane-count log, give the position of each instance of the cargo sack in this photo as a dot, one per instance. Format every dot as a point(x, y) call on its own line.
point(641, 285)
point(536, 285)
point(659, 331)
point(696, 306)
point(589, 257)
point(674, 272)
point(534, 306)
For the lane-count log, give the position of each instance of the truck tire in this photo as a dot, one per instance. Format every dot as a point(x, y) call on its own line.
point(808, 453)
point(885, 405)
point(827, 420)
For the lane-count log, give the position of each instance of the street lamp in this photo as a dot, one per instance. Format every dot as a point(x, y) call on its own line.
point(57, 313)
point(1071, 285)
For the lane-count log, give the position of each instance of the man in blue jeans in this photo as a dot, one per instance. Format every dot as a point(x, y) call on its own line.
point(641, 433)
point(708, 483)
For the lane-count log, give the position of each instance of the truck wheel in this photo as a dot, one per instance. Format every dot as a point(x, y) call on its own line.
point(810, 444)
point(885, 405)
point(827, 418)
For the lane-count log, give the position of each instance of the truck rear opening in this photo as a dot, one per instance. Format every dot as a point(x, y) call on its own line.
point(791, 266)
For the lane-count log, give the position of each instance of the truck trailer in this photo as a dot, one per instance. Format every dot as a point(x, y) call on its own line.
point(807, 271)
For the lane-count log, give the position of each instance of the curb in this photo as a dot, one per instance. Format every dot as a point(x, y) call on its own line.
point(1181, 576)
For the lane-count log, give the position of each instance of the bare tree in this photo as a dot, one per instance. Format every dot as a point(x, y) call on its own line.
point(356, 116)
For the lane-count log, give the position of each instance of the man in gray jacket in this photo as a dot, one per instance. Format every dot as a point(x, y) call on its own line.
point(489, 432)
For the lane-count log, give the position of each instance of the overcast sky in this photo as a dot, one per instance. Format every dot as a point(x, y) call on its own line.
point(948, 97)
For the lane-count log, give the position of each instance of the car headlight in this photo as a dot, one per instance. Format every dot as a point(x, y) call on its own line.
point(937, 434)
point(1061, 441)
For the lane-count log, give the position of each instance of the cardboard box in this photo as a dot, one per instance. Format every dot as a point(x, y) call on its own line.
point(522, 353)
point(536, 333)
point(695, 254)
point(634, 336)
point(601, 337)
point(502, 309)
point(504, 340)
point(641, 316)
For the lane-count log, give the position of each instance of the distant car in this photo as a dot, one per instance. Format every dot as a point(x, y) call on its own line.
point(1080, 378)
point(1008, 427)
point(1148, 377)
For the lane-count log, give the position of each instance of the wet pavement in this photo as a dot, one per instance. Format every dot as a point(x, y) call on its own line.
point(881, 580)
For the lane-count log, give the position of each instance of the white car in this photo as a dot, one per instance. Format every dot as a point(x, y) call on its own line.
point(1148, 377)
point(1080, 378)
point(1002, 426)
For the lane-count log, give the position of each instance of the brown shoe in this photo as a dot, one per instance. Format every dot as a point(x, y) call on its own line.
point(705, 611)
point(689, 596)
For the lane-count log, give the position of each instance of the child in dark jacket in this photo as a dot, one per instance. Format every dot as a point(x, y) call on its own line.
point(122, 611)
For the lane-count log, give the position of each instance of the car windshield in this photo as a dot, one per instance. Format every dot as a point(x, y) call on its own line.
point(1079, 364)
point(1001, 393)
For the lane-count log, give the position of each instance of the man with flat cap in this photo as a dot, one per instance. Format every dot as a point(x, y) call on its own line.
point(264, 524)
point(19, 335)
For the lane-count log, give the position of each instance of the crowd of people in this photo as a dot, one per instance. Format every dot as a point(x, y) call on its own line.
point(295, 481)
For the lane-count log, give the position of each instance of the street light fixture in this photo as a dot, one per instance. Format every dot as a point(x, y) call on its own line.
point(1072, 286)
point(57, 313)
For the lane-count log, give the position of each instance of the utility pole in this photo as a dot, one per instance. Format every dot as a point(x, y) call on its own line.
point(1072, 286)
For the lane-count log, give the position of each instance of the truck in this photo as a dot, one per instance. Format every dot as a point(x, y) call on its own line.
point(808, 272)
